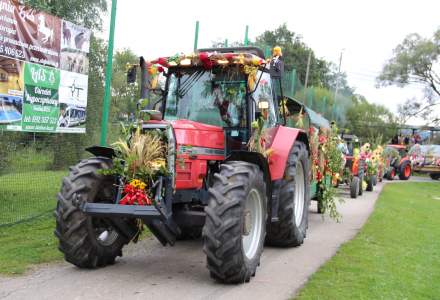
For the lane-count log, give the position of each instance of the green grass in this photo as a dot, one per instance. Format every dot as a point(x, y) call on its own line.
point(395, 256)
point(27, 194)
point(26, 244)
point(26, 159)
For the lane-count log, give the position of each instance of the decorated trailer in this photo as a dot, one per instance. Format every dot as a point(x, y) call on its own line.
point(326, 160)
point(426, 159)
point(213, 156)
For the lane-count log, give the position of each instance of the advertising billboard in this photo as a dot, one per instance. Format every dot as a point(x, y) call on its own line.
point(44, 63)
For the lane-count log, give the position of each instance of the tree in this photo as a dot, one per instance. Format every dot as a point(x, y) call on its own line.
point(370, 121)
point(295, 53)
point(416, 60)
point(85, 12)
point(124, 96)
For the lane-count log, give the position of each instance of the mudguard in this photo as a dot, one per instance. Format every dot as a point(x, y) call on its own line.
point(283, 139)
point(101, 151)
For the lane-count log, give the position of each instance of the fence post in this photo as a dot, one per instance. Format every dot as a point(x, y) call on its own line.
point(334, 111)
point(310, 94)
point(108, 76)
point(293, 82)
point(196, 36)
point(246, 37)
point(324, 110)
point(267, 53)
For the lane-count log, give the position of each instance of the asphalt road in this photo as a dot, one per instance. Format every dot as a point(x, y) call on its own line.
point(149, 271)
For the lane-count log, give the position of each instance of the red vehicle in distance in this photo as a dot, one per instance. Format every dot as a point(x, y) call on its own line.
point(397, 162)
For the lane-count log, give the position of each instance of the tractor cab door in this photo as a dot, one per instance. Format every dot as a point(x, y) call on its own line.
point(263, 104)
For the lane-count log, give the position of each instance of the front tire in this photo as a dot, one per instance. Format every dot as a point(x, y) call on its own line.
point(234, 230)
point(85, 241)
point(405, 170)
point(391, 174)
point(294, 198)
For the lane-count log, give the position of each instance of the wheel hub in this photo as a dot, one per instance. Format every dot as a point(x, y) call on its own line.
point(247, 224)
point(252, 220)
point(299, 194)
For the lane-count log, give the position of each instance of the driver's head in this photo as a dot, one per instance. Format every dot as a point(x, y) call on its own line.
point(277, 51)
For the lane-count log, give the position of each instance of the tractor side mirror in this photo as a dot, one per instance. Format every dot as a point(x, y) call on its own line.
point(131, 73)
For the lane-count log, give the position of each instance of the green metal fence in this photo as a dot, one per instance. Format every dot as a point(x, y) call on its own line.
point(319, 99)
point(32, 167)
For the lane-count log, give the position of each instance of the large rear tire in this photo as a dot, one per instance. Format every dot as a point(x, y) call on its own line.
point(405, 170)
point(294, 199)
point(234, 230)
point(85, 241)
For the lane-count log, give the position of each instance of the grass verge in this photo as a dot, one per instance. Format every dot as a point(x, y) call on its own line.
point(395, 256)
point(24, 195)
point(26, 244)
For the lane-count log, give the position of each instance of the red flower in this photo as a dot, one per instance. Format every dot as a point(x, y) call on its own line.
point(160, 69)
point(229, 56)
point(208, 64)
point(318, 176)
point(134, 195)
point(163, 61)
point(203, 56)
point(204, 59)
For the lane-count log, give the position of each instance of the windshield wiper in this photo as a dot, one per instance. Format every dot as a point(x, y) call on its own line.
point(189, 83)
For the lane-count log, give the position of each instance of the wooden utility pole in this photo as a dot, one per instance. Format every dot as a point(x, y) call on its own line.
point(339, 75)
point(307, 76)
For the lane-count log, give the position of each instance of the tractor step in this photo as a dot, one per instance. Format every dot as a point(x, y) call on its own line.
point(117, 210)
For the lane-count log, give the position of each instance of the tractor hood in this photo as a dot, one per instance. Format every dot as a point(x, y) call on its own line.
point(195, 134)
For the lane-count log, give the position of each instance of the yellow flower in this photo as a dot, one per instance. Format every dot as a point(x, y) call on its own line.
point(136, 183)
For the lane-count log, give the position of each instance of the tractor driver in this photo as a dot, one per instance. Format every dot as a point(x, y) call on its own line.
point(228, 110)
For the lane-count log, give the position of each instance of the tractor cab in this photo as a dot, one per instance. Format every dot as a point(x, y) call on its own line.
point(227, 88)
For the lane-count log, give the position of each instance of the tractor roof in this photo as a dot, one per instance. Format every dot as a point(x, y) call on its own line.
point(252, 50)
point(316, 119)
point(208, 59)
point(349, 137)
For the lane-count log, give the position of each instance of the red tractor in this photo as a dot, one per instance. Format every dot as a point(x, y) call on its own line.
point(215, 186)
point(397, 162)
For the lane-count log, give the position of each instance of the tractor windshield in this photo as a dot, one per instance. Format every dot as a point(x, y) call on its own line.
point(215, 97)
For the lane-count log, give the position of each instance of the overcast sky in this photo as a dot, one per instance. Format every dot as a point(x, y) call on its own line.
point(368, 31)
